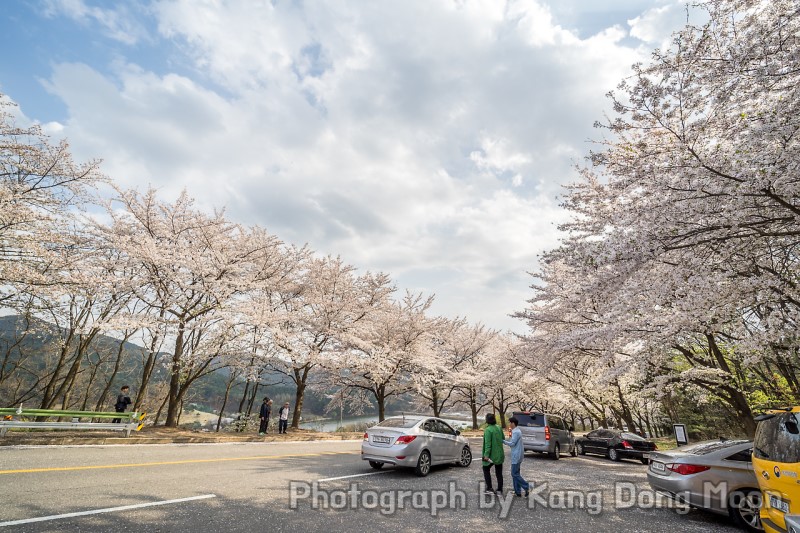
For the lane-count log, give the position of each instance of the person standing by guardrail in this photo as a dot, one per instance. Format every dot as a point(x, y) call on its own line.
point(266, 410)
point(123, 401)
point(283, 418)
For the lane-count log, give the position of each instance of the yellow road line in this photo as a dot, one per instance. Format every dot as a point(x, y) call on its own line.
point(161, 463)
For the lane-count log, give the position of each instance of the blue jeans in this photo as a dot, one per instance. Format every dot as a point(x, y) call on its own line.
point(519, 483)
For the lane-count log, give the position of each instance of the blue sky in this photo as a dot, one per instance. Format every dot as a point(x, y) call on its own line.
point(425, 138)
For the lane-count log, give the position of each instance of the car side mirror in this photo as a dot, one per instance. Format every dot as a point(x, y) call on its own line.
point(458, 432)
point(572, 428)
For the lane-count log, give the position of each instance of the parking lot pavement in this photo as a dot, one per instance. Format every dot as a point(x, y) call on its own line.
point(319, 486)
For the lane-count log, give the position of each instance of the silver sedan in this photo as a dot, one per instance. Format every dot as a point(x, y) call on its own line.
point(415, 442)
point(715, 475)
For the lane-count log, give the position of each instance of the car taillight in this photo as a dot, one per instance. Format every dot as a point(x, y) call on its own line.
point(626, 445)
point(547, 433)
point(405, 439)
point(366, 437)
point(686, 470)
point(655, 446)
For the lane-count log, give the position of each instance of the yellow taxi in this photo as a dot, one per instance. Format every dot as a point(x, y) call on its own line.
point(776, 461)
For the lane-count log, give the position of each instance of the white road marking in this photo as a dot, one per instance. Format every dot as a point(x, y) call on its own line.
point(354, 475)
point(107, 510)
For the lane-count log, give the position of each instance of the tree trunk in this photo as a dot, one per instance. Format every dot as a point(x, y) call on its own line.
point(739, 403)
point(624, 415)
point(69, 380)
point(70, 384)
point(300, 379)
point(501, 407)
point(160, 408)
point(435, 402)
point(173, 403)
point(647, 424)
point(252, 398)
point(243, 401)
point(381, 401)
point(228, 386)
point(49, 389)
point(245, 396)
point(147, 372)
point(473, 407)
point(101, 400)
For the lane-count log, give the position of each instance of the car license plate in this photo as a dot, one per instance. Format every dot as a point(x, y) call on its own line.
point(777, 503)
point(657, 467)
point(381, 440)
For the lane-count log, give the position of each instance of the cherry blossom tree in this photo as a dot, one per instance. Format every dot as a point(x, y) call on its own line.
point(41, 188)
point(381, 352)
point(678, 265)
point(455, 344)
point(191, 267)
point(315, 314)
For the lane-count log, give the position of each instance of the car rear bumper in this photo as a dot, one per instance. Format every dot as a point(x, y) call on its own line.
point(683, 490)
point(537, 446)
point(390, 455)
point(633, 454)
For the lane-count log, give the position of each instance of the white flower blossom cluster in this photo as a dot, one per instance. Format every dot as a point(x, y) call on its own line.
point(679, 271)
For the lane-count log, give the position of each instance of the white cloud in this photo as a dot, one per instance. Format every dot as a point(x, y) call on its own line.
point(117, 22)
point(656, 25)
point(428, 141)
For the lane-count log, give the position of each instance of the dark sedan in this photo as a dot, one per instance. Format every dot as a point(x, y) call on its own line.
point(615, 445)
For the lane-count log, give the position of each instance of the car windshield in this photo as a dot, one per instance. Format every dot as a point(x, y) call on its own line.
point(631, 436)
point(704, 448)
point(535, 420)
point(398, 423)
point(777, 439)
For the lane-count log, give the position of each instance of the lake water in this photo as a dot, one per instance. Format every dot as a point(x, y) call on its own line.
point(330, 425)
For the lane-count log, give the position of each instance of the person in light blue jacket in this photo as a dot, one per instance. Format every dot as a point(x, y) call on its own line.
point(517, 453)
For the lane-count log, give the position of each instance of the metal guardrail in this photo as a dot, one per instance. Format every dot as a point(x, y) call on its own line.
point(11, 417)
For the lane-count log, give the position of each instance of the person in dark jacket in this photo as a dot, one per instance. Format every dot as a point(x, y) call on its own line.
point(493, 454)
point(266, 410)
point(123, 401)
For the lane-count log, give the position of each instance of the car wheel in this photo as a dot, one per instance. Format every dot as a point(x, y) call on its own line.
point(556, 452)
point(645, 461)
point(423, 464)
point(466, 457)
point(613, 454)
point(744, 507)
point(376, 465)
point(581, 449)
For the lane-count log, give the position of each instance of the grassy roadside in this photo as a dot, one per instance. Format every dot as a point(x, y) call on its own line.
point(159, 435)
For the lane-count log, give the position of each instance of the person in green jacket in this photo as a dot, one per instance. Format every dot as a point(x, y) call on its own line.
point(493, 454)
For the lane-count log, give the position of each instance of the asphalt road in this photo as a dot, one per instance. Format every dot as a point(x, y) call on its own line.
point(275, 487)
